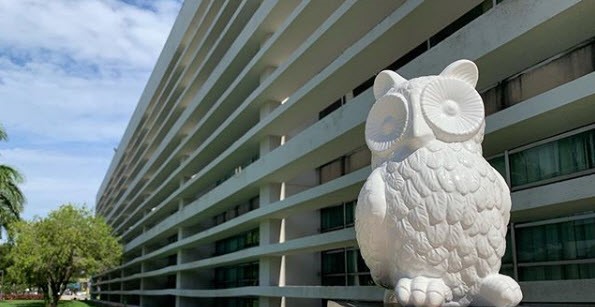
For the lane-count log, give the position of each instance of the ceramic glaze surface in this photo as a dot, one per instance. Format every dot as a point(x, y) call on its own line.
point(431, 218)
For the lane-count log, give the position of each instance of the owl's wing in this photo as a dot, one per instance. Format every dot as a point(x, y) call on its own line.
point(371, 229)
point(506, 202)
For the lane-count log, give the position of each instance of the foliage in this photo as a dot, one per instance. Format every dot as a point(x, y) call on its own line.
point(69, 243)
point(7, 283)
point(21, 296)
point(11, 197)
point(39, 303)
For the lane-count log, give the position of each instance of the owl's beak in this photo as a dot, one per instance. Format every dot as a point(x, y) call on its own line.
point(421, 133)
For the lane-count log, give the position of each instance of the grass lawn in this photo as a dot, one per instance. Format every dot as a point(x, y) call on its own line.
point(40, 304)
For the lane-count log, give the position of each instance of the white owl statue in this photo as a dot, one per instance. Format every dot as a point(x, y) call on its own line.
point(431, 218)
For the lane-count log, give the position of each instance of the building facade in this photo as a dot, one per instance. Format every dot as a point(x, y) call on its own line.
point(236, 179)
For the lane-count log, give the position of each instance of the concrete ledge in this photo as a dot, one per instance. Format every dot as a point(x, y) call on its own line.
point(340, 189)
point(559, 291)
point(556, 199)
point(544, 115)
point(370, 293)
point(315, 243)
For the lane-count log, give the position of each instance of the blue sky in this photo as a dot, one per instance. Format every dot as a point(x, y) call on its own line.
point(71, 74)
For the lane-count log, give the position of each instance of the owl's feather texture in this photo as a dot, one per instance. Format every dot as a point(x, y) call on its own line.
point(442, 212)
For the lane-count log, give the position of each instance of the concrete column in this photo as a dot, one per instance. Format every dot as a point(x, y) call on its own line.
point(142, 287)
point(271, 271)
point(265, 39)
point(266, 73)
point(267, 107)
point(181, 204)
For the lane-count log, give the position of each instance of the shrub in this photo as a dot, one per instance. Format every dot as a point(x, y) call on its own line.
point(22, 296)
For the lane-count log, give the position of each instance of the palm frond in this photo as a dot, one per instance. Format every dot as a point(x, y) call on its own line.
point(3, 135)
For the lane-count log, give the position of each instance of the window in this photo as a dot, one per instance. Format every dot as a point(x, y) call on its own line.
point(507, 267)
point(556, 249)
point(549, 161)
point(241, 275)
point(553, 159)
point(346, 164)
point(360, 158)
point(235, 243)
point(345, 267)
point(499, 164)
point(332, 107)
point(364, 86)
point(557, 272)
point(573, 64)
point(236, 211)
point(332, 170)
point(170, 282)
point(172, 259)
point(560, 241)
point(337, 217)
point(461, 22)
point(446, 32)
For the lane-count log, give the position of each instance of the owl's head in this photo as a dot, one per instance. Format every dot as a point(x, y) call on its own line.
point(408, 114)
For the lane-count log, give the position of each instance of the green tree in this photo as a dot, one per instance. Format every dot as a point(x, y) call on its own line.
point(69, 243)
point(11, 197)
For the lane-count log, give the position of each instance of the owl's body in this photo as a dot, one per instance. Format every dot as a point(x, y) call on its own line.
point(447, 225)
point(431, 219)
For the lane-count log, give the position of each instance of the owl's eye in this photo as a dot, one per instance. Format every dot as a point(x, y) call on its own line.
point(386, 122)
point(452, 108)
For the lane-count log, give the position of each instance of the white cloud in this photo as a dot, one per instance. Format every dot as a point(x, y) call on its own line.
point(43, 100)
point(71, 74)
point(75, 69)
point(91, 30)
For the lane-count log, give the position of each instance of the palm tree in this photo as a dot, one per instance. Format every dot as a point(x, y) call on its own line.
point(11, 197)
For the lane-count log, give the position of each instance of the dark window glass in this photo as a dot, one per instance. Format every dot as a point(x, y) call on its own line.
point(561, 241)
point(337, 217)
point(507, 269)
point(553, 159)
point(172, 260)
point(338, 280)
point(507, 258)
point(499, 164)
point(363, 87)
point(350, 213)
point(461, 22)
point(333, 262)
point(344, 267)
point(557, 272)
point(236, 211)
point(332, 218)
point(331, 108)
point(360, 280)
point(355, 262)
point(238, 242)
point(408, 57)
point(241, 275)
